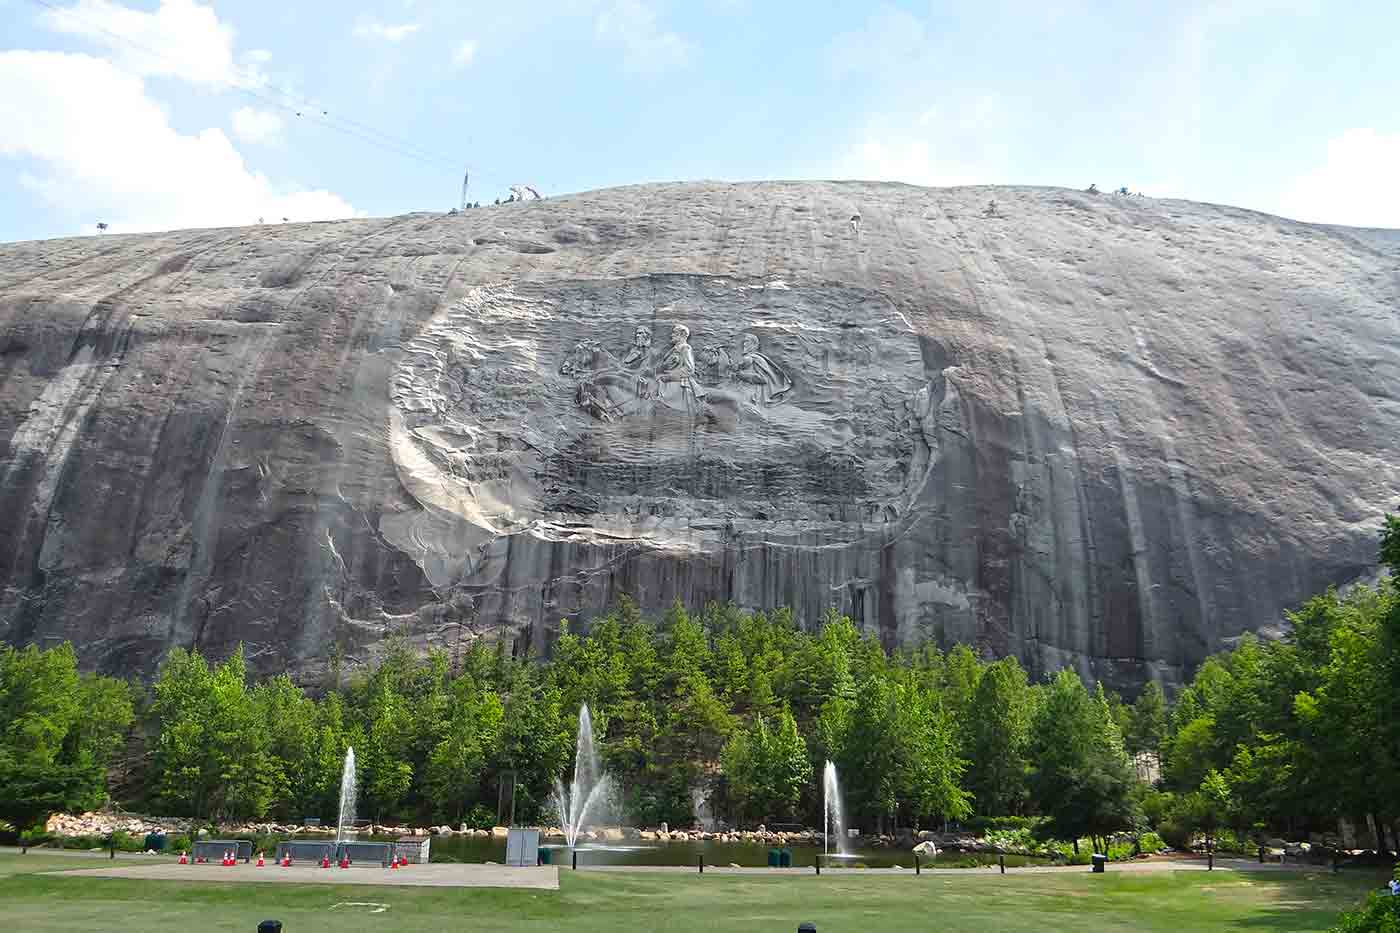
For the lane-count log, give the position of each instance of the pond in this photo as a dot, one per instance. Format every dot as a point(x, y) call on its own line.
point(745, 854)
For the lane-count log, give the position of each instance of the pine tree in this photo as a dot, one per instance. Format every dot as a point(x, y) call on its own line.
point(1080, 777)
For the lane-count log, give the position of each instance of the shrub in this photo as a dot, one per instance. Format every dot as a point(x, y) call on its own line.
point(1022, 840)
point(1151, 843)
point(1174, 834)
point(1380, 914)
point(481, 817)
point(983, 824)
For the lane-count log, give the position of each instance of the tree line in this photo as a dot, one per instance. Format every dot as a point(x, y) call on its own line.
point(1283, 735)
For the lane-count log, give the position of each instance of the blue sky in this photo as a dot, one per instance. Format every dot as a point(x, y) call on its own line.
point(1287, 106)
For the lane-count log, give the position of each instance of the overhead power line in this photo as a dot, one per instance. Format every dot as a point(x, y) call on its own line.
point(295, 104)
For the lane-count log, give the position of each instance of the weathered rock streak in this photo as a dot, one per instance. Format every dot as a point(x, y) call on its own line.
point(1087, 430)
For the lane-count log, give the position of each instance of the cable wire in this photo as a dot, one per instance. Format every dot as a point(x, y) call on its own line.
point(306, 111)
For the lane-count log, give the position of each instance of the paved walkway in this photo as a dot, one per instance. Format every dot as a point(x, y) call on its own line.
point(435, 875)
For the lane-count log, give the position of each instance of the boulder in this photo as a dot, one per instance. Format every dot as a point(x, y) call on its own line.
point(499, 832)
point(926, 848)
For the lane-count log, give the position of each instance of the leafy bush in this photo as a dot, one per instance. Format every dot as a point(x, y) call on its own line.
point(1151, 843)
point(985, 824)
point(177, 844)
point(1380, 914)
point(481, 817)
point(1022, 840)
point(1174, 834)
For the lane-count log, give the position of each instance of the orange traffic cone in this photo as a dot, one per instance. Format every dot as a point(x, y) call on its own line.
point(184, 860)
point(260, 860)
point(403, 861)
point(287, 860)
point(325, 861)
point(394, 864)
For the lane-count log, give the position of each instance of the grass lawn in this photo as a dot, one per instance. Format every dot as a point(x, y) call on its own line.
point(1177, 902)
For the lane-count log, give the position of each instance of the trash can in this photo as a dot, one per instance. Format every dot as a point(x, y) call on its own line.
point(155, 842)
point(773, 860)
point(785, 858)
point(1099, 861)
point(546, 855)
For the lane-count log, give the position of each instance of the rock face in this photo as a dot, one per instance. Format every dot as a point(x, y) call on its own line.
point(1086, 430)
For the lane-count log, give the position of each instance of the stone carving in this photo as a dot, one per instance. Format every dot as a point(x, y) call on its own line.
point(609, 388)
point(768, 379)
point(651, 433)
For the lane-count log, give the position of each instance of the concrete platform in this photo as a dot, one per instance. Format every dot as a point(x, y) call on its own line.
point(435, 875)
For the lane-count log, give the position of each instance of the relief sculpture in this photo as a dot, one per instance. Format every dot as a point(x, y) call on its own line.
point(674, 412)
point(609, 388)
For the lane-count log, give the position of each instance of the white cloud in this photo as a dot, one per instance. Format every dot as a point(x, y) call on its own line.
point(916, 161)
point(180, 39)
point(257, 126)
point(963, 141)
point(1357, 184)
point(889, 44)
point(646, 47)
point(107, 152)
point(397, 32)
point(464, 53)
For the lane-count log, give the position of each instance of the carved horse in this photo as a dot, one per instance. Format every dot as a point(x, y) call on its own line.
point(602, 387)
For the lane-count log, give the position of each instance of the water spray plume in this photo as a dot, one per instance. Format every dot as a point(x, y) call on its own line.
point(590, 792)
point(345, 822)
point(833, 814)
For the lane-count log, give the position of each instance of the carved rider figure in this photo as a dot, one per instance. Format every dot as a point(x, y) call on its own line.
point(769, 381)
point(675, 374)
point(637, 356)
point(637, 359)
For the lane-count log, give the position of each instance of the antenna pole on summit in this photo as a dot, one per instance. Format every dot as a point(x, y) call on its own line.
point(466, 176)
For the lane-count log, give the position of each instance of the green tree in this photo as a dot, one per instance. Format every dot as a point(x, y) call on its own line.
point(212, 757)
point(1080, 776)
point(537, 742)
point(1147, 722)
point(998, 730)
point(58, 732)
point(385, 771)
point(767, 768)
point(962, 673)
point(459, 760)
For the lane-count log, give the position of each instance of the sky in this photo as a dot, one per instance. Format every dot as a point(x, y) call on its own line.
point(160, 114)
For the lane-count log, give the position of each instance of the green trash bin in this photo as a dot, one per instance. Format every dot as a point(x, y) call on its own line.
point(785, 858)
point(546, 855)
point(773, 858)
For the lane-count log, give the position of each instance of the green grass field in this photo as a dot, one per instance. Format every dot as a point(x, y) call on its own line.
point(1177, 902)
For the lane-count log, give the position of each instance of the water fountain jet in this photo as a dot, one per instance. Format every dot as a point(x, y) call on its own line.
point(345, 821)
point(833, 815)
point(590, 793)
